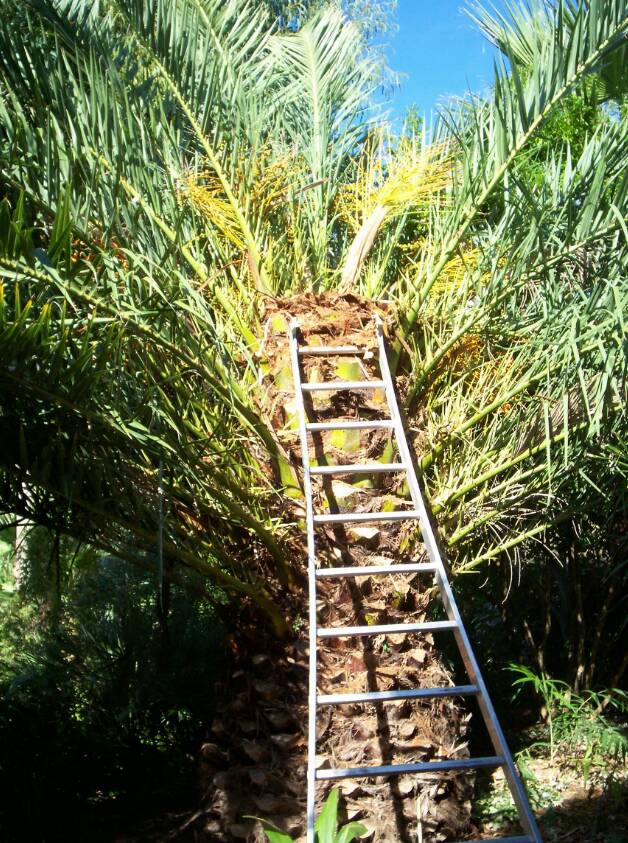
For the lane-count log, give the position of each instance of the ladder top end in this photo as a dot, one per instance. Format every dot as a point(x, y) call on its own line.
point(379, 326)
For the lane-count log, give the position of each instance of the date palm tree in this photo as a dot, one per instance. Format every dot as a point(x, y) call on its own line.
point(166, 166)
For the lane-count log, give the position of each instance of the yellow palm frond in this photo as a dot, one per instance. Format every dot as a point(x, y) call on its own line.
point(354, 201)
point(415, 175)
point(395, 177)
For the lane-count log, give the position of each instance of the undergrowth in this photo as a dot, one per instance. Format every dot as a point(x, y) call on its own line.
point(102, 708)
point(582, 738)
point(326, 828)
point(588, 730)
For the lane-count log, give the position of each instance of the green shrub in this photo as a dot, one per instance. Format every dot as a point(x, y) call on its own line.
point(586, 729)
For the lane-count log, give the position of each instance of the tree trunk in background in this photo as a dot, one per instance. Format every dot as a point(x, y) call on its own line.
point(20, 559)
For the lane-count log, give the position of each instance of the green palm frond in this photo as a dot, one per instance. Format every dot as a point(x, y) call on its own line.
point(519, 29)
point(326, 82)
point(493, 135)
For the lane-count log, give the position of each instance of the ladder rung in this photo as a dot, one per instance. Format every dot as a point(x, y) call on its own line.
point(349, 517)
point(326, 386)
point(363, 468)
point(498, 840)
point(330, 349)
point(387, 696)
point(417, 767)
point(367, 570)
point(384, 629)
point(374, 424)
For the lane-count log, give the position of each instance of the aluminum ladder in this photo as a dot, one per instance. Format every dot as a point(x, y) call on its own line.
point(476, 687)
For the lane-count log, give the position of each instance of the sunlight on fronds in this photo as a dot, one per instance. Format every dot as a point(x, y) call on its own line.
point(258, 162)
point(354, 199)
point(395, 174)
point(415, 174)
point(471, 376)
point(494, 378)
point(394, 177)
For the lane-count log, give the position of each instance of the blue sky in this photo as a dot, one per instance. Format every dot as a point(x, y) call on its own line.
point(440, 52)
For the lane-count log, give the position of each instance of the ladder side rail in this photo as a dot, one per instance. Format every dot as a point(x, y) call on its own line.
point(473, 669)
point(311, 565)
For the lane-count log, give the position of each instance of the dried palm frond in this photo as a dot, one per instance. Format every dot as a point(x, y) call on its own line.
point(391, 181)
